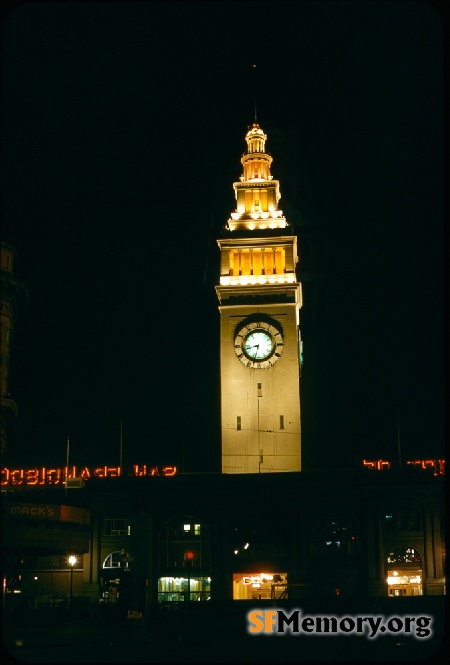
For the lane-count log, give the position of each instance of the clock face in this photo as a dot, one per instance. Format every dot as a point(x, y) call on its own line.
point(258, 343)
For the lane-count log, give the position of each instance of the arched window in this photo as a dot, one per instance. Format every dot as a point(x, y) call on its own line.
point(404, 555)
point(113, 560)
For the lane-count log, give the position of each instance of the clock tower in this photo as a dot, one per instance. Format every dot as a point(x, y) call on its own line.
point(259, 304)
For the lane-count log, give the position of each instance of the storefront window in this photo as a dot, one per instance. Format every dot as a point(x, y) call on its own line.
point(175, 589)
point(259, 585)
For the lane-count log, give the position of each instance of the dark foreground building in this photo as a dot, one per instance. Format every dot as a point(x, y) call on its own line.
point(168, 568)
point(149, 540)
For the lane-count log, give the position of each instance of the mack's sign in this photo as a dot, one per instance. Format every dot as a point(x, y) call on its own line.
point(46, 511)
point(66, 476)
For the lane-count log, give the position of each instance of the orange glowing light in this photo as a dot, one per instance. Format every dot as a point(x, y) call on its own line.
point(58, 476)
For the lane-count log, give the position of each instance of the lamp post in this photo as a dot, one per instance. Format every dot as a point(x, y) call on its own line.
point(72, 561)
point(34, 588)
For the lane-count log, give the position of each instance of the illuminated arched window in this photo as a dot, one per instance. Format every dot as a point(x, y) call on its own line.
point(113, 560)
point(404, 555)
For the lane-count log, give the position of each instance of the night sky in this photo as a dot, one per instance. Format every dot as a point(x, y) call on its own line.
point(122, 128)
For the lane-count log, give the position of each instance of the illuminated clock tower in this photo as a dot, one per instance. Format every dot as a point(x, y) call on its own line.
point(259, 304)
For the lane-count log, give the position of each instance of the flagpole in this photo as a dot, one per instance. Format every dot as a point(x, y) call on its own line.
point(67, 461)
point(120, 457)
point(254, 88)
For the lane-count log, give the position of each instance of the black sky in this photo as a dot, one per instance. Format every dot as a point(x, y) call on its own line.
point(122, 127)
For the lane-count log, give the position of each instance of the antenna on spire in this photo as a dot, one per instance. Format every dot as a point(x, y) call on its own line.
point(254, 88)
point(67, 460)
point(398, 442)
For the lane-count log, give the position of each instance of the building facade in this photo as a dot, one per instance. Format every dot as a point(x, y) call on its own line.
point(196, 537)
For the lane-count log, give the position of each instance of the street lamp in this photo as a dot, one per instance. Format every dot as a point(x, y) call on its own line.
point(72, 561)
point(34, 589)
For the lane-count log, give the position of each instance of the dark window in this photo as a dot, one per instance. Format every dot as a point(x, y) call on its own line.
point(402, 521)
point(336, 536)
point(254, 538)
point(117, 527)
point(414, 521)
point(183, 542)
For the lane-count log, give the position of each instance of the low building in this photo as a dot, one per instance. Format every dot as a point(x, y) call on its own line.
point(152, 539)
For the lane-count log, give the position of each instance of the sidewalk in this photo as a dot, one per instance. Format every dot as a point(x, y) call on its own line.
point(190, 637)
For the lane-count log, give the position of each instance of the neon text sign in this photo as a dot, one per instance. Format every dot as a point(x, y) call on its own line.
point(436, 465)
point(58, 476)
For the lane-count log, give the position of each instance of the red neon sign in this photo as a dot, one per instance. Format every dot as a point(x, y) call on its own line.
point(437, 465)
point(58, 476)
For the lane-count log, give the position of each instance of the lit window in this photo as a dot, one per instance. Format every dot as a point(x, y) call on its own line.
point(404, 555)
